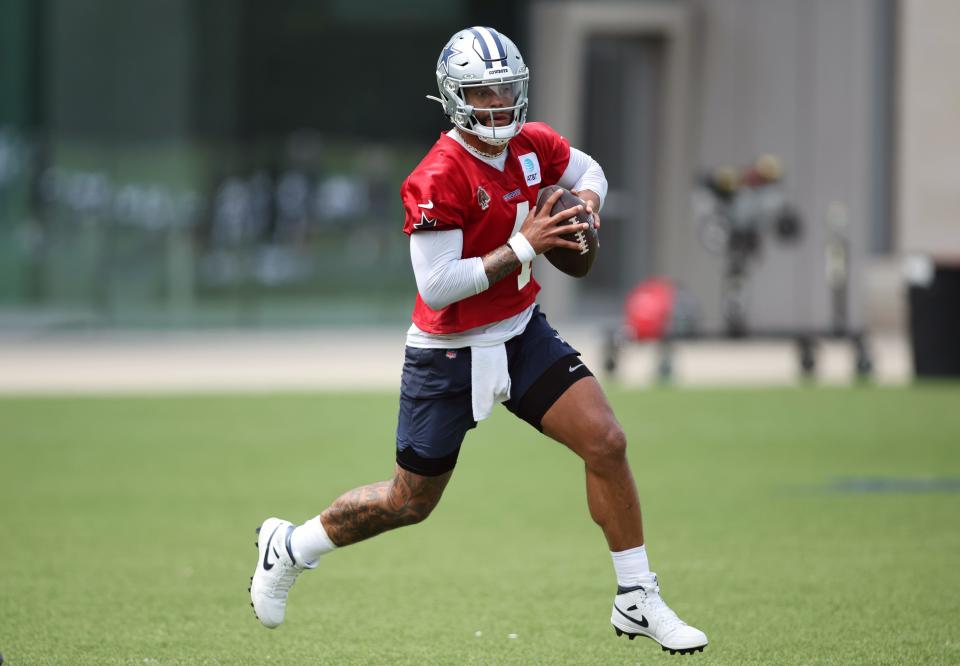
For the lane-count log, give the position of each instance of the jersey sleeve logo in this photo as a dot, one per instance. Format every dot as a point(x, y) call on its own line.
point(531, 168)
point(425, 222)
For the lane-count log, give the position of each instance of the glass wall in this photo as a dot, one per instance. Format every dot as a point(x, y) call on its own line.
point(219, 162)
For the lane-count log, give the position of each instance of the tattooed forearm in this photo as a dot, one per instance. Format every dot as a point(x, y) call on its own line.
point(367, 511)
point(499, 263)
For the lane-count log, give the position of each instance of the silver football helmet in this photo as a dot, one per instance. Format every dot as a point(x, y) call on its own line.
point(482, 78)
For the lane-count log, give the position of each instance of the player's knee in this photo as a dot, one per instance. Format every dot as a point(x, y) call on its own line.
point(608, 448)
point(421, 509)
point(614, 443)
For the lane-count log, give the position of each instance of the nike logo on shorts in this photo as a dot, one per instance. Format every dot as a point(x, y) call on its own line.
point(575, 367)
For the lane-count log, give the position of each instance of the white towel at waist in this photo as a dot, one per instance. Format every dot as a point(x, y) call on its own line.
point(489, 377)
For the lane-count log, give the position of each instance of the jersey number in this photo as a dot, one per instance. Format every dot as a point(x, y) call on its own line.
point(522, 209)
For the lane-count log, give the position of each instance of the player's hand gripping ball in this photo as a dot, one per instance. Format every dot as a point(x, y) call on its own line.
point(572, 262)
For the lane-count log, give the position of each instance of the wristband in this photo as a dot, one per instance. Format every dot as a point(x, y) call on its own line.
point(522, 248)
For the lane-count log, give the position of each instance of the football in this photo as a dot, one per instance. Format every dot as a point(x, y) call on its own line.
point(572, 262)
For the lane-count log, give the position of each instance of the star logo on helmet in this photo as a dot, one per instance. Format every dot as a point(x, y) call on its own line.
point(448, 53)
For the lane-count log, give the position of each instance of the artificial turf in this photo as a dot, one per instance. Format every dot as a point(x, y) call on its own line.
point(802, 525)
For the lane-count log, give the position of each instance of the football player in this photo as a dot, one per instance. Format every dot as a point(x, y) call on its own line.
point(478, 338)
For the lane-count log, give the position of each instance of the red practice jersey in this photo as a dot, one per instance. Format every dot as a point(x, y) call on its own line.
point(452, 189)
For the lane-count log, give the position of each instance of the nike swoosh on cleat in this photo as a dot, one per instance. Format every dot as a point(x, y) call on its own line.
point(267, 565)
point(642, 622)
point(574, 367)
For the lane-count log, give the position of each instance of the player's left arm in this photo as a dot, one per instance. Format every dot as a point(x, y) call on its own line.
point(584, 177)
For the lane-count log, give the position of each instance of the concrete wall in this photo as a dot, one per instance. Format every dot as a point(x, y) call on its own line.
point(794, 78)
point(797, 78)
point(928, 172)
point(557, 54)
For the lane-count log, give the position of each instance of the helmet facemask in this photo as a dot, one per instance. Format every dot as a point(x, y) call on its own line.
point(484, 119)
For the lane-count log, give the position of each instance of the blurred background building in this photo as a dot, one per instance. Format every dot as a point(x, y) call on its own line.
point(207, 163)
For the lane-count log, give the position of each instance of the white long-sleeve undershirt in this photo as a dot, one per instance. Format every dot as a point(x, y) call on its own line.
point(584, 173)
point(443, 277)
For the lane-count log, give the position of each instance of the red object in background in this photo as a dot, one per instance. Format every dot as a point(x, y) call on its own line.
point(649, 308)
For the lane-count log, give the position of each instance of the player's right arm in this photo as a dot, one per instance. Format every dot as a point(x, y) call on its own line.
point(444, 277)
point(539, 232)
point(435, 202)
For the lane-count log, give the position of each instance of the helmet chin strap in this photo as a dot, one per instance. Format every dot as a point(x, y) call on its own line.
point(489, 140)
point(479, 152)
point(496, 143)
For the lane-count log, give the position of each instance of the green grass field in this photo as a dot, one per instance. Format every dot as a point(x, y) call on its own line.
point(129, 523)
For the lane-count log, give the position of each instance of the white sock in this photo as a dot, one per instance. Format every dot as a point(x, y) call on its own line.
point(630, 565)
point(309, 541)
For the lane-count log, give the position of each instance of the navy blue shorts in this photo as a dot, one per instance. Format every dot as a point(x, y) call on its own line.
point(436, 409)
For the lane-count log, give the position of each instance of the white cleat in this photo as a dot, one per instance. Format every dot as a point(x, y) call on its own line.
point(639, 611)
point(275, 573)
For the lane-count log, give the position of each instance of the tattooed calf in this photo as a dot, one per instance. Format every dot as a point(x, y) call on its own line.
point(369, 510)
